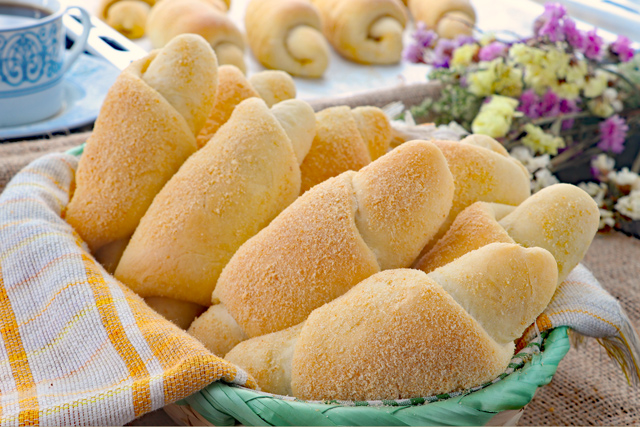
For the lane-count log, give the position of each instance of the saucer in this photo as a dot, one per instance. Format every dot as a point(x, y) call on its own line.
point(85, 86)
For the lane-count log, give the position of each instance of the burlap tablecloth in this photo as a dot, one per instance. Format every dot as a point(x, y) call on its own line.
point(588, 389)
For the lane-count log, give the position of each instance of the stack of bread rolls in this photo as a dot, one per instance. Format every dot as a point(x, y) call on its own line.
point(290, 236)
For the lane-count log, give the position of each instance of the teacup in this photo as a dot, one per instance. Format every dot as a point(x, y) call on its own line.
point(33, 59)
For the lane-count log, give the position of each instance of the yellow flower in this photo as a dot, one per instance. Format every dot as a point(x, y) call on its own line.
point(540, 141)
point(487, 38)
point(607, 104)
point(496, 77)
point(494, 118)
point(566, 90)
point(595, 85)
point(522, 54)
point(540, 79)
point(488, 123)
point(463, 55)
point(557, 62)
point(577, 72)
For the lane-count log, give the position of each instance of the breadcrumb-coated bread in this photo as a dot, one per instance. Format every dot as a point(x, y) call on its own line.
point(396, 335)
point(233, 88)
point(364, 31)
point(503, 286)
point(345, 140)
point(207, 18)
point(273, 86)
point(223, 194)
point(128, 17)
point(181, 313)
point(140, 139)
point(473, 228)
point(268, 359)
point(481, 174)
point(561, 218)
point(217, 330)
point(287, 35)
point(314, 250)
point(402, 333)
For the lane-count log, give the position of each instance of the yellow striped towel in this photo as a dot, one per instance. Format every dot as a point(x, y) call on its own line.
point(77, 347)
point(589, 310)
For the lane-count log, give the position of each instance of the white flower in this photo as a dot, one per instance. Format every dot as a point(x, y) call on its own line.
point(596, 191)
point(525, 156)
point(629, 206)
point(603, 163)
point(606, 219)
point(610, 96)
point(542, 179)
point(624, 178)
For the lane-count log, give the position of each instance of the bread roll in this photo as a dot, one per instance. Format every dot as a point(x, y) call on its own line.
point(481, 174)
point(345, 140)
point(207, 18)
point(402, 334)
point(223, 194)
point(561, 218)
point(448, 18)
point(179, 312)
point(145, 131)
point(335, 235)
point(365, 31)
point(273, 86)
point(233, 88)
point(473, 228)
point(287, 35)
point(129, 17)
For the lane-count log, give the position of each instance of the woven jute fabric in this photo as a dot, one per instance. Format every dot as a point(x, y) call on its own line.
point(589, 388)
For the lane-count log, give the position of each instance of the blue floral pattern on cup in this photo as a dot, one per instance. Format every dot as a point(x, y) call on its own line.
point(32, 56)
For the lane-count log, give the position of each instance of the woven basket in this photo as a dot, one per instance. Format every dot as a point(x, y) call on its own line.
point(499, 402)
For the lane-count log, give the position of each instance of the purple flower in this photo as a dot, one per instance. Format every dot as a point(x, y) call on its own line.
point(463, 39)
point(593, 45)
point(413, 53)
point(573, 35)
point(549, 23)
point(442, 53)
point(622, 48)
point(492, 51)
point(549, 104)
point(613, 132)
point(424, 37)
point(530, 104)
point(567, 106)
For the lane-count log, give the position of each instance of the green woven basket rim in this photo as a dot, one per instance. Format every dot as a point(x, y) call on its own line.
point(224, 404)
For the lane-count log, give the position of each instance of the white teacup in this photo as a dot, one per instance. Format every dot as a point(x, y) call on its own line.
point(33, 59)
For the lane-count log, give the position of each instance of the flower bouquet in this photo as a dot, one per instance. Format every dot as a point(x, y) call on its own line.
point(563, 101)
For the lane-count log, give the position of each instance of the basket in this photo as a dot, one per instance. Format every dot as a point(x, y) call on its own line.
point(500, 402)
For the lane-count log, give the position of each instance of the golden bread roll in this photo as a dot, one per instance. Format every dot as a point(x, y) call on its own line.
point(145, 131)
point(287, 35)
point(207, 18)
point(233, 88)
point(223, 194)
point(345, 140)
point(402, 333)
point(179, 312)
point(365, 31)
point(448, 18)
point(561, 218)
point(128, 17)
point(335, 235)
point(481, 174)
point(273, 86)
point(473, 228)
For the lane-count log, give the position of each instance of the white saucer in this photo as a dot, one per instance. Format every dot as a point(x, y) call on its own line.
point(85, 87)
